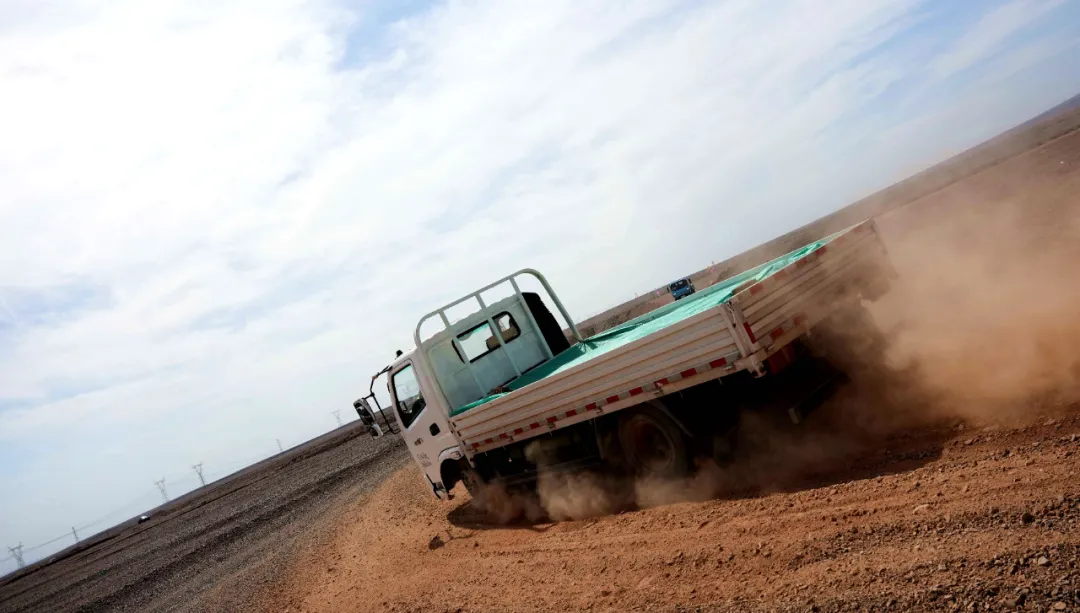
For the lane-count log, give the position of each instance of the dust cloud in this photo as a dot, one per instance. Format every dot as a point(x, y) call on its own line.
point(986, 310)
point(980, 326)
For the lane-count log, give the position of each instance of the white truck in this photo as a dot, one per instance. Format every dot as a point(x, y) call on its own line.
point(503, 394)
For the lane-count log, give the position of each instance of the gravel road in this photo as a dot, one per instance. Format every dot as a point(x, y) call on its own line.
point(211, 550)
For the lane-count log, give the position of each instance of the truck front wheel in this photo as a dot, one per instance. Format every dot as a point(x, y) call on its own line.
point(652, 444)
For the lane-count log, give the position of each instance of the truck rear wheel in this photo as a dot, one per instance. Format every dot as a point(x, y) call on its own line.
point(652, 444)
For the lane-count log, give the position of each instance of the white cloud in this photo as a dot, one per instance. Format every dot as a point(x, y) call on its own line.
point(987, 37)
point(270, 219)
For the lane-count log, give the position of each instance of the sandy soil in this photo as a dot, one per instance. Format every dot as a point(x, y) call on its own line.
point(943, 519)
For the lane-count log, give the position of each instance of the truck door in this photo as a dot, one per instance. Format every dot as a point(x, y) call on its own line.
point(424, 429)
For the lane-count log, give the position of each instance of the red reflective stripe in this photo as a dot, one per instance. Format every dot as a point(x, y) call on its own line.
point(518, 430)
point(799, 263)
point(800, 319)
point(636, 391)
point(822, 250)
point(591, 406)
point(663, 381)
point(718, 363)
point(503, 435)
point(777, 333)
point(488, 441)
point(552, 420)
point(534, 425)
point(571, 413)
point(756, 288)
point(689, 372)
point(611, 399)
point(749, 332)
point(476, 445)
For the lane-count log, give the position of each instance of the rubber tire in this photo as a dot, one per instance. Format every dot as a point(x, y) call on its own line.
point(635, 422)
point(472, 482)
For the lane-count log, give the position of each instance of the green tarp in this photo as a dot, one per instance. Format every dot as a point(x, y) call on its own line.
point(648, 323)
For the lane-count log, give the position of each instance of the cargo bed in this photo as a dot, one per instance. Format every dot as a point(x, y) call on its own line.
point(731, 326)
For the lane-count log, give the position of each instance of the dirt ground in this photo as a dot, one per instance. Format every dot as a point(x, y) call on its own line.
point(210, 550)
point(972, 519)
point(946, 480)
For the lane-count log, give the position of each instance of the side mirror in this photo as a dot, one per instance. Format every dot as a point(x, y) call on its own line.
point(363, 410)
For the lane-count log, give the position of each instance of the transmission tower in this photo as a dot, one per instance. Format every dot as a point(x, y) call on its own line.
point(198, 471)
point(161, 487)
point(279, 447)
point(75, 534)
point(16, 552)
point(337, 414)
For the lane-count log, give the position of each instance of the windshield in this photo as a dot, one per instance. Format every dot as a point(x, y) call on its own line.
point(677, 285)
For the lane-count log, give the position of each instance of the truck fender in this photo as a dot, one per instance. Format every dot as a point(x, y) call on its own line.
point(450, 467)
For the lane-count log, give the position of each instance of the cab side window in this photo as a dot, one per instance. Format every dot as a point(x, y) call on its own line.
point(480, 340)
point(409, 402)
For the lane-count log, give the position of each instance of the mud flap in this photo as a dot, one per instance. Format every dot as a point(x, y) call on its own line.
point(435, 487)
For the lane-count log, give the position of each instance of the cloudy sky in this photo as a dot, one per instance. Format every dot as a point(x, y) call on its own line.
point(218, 219)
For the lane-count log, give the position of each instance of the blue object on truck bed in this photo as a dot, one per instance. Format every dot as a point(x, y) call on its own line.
point(649, 323)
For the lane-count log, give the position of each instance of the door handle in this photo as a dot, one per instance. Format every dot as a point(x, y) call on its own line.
point(434, 429)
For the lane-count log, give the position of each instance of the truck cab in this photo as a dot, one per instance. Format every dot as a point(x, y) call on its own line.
point(681, 288)
point(465, 362)
point(421, 414)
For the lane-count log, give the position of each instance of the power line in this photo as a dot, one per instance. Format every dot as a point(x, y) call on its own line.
point(161, 487)
point(46, 543)
point(17, 553)
point(74, 532)
point(126, 509)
